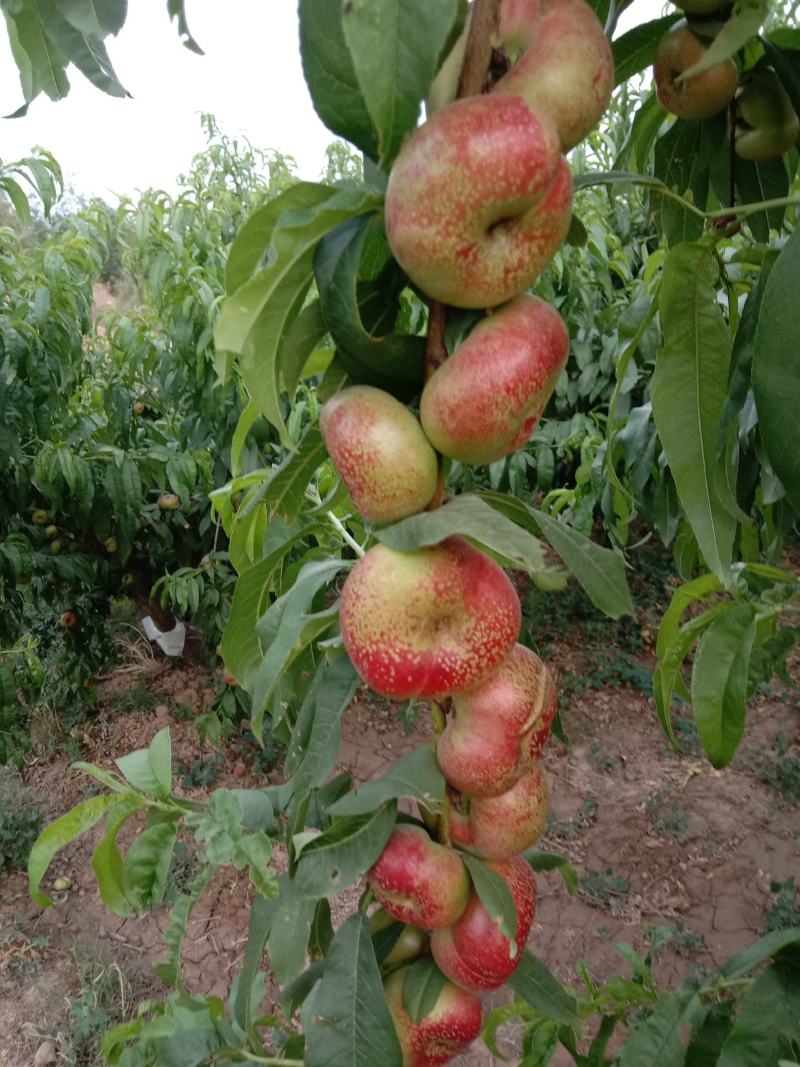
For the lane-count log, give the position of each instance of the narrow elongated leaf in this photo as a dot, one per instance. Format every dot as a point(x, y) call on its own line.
point(636, 49)
point(285, 493)
point(600, 571)
point(719, 682)
point(85, 50)
point(394, 362)
point(148, 860)
point(40, 61)
point(331, 77)
point(760, 182)
point(107, 864)
point(495, 896)
point(327, 700)
point(287, 627)
point(677, 155)
point(150, 769)
point(535, 984)
point(706, 1044)
point(422, 984)
point(241, 648)
point(658, 1041)
point(549, 861)
point(743, 24)
point(746, 959)
point(471, 517)
point(776, 371)
point(97, 17)
point(337, 858)
point(255, 317)
point(395, 46)
point(768, 1020)
point(414, 775)
point(346, 1019)
point(59, 834)
point(739, 382)
point(289, 931)
point(688, 392)
point(261, 913)
point(301, 339)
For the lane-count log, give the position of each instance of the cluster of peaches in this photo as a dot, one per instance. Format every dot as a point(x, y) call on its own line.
point(478, 202)
point(763, 122)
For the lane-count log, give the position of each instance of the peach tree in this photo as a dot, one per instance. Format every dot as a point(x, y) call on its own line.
point(404, 297)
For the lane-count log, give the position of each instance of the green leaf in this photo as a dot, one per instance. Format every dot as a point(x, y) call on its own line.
point(337, 858)
point(302, 337)
point(707, 1041)
point(241, 648)
point(776, 371)
point(247, 419)
point(535, 984)
point(175, 10)
point(688, 391)
point(600, 571)
point(471, 517)
point(746, 959)
point(255, 317)
point(658, 1041)
point(636, 49)
point(261, 913)
point(346, 1019)
point(289, 931)
point(85, 50)
point(757, 183)
point(331, 77)
point(321, 935)
point(318, 732)
point(150, 769)
point(677, 163)
point(40, 61)
point(97, 17)
point(107, 861)
point(422, 984)
point(549, 861)
point(719, 682)
point(739, 381)
point(58, 835)
point(495, 896)
point(285, 492)
point(768, 1019)
point(414, 775)
point(287, 627)
point(394, 362)
point(741, 25)
point(148, 860)
point(395, 46)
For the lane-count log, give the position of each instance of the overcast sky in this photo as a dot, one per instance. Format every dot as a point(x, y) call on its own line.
point(250, 78)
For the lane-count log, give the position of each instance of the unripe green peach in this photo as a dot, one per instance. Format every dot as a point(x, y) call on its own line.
point(39, 517)
point(700, 96)
point(380, 451)
point(169, 502)
point(766, 122)
point(51, 531)
point(411, 941)
point(485, 400)
point(55, 547)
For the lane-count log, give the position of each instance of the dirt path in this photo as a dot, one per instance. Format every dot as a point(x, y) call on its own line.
point(657, 838)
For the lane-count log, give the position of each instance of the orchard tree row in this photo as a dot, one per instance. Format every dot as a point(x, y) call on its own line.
point(375, 552)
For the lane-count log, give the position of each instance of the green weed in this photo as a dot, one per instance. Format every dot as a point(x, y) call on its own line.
point(604, 889)
point(20, 820)
point(784, 912)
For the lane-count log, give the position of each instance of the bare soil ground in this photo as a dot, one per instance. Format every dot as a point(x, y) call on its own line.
point(656, 837)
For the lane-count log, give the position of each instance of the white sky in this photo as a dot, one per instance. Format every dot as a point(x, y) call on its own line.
point(250, 78)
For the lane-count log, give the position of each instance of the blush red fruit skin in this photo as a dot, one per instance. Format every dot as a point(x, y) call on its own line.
point(472, 952)
point(502, 826)
point(448, 1029)
point(484, 401)
point(477, 201)
point(430, 622)
point(418, 881)
point(700, 96)
point(566, 68)
point(380, 451)
point(499, 729)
